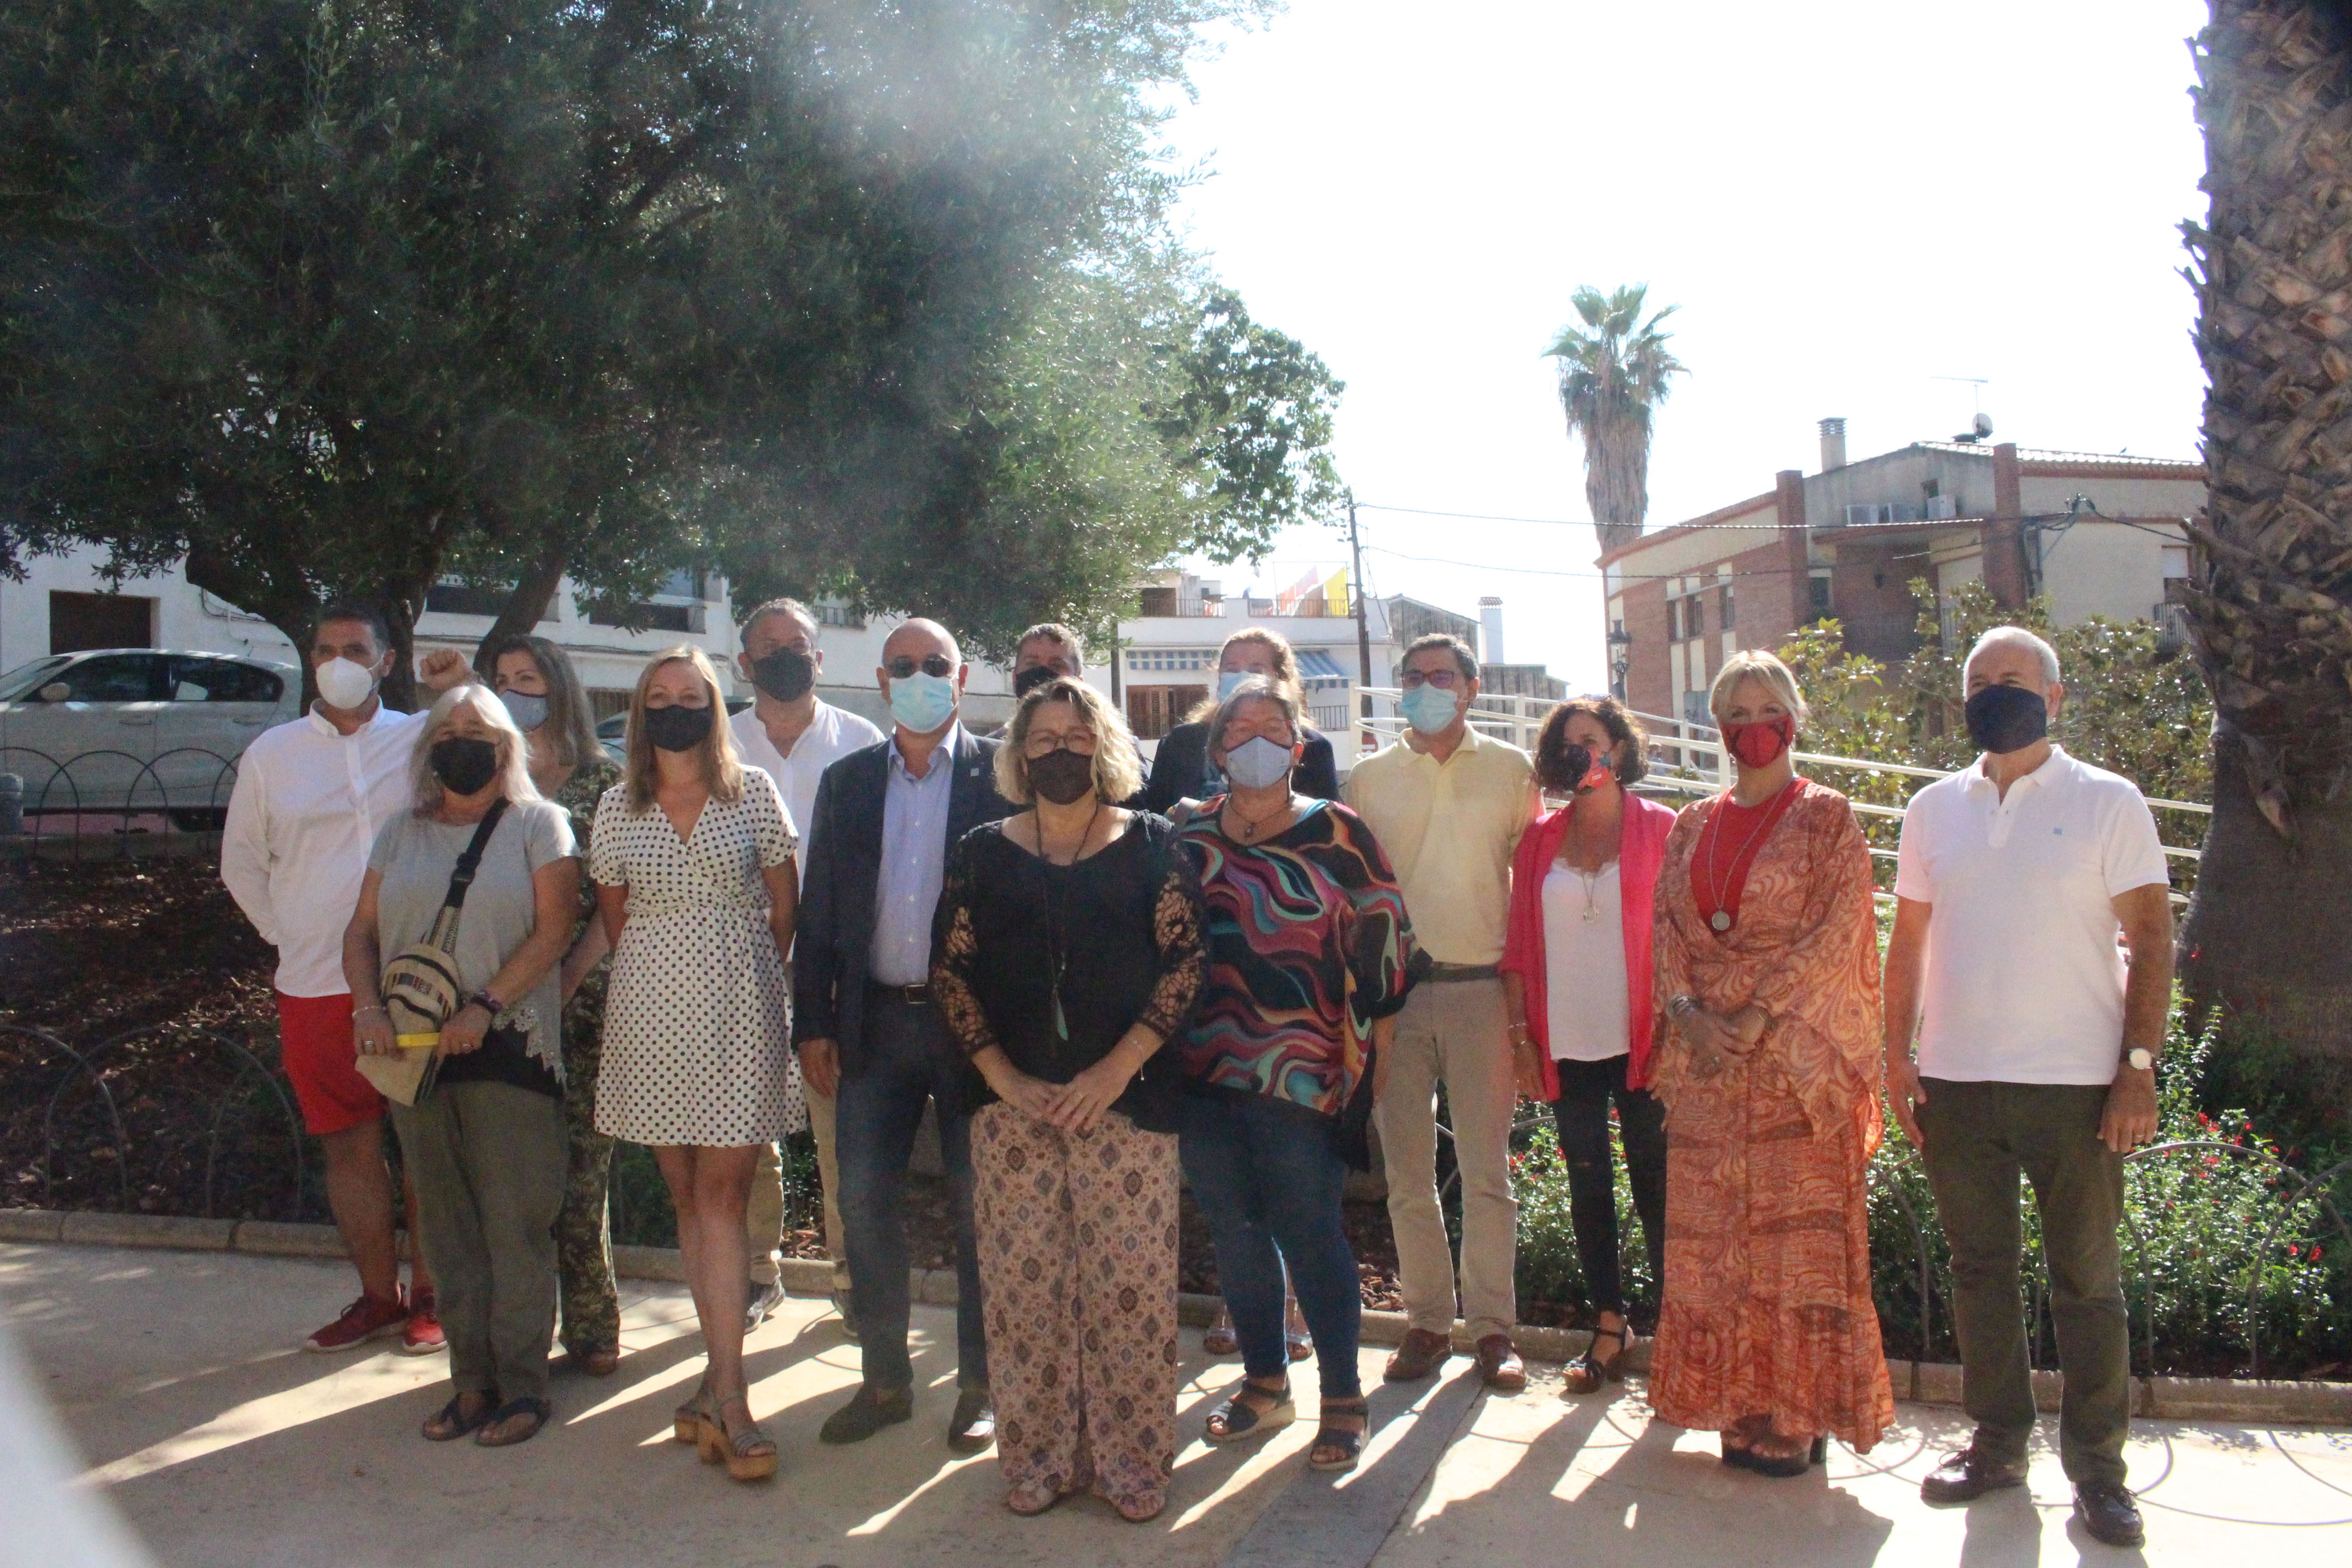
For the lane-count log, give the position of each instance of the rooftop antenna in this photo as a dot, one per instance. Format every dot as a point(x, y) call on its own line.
point(1978, 425)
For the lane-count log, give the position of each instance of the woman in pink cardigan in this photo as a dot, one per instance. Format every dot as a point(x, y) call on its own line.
point(1576, 978)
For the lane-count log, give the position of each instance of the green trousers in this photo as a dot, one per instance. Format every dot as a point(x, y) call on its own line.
point(489, 1162)
point(1980, 1137)
point(584, 1230)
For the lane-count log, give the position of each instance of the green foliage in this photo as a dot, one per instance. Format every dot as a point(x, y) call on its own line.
point(1614, 370)
point(2134, 705)
point(333, 297)
point(2224, 1240)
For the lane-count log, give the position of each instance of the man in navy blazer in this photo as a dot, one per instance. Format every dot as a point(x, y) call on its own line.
point(865, 1022)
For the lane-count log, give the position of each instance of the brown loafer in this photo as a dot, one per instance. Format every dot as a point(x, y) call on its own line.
point(1422, 1352)
point(1499, 1364)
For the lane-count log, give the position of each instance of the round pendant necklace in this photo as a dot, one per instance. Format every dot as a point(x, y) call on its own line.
point(1250, 827)
point(1721, 920)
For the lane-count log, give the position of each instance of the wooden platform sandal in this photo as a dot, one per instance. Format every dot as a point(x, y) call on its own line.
point(748, 1455)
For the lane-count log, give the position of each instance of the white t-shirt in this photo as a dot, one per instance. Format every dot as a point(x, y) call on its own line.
point(2025, 978)
point(832, 734)
point(1585, 1004)
point(305, 811)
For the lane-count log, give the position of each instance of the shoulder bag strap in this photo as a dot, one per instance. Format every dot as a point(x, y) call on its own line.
point(462, 877)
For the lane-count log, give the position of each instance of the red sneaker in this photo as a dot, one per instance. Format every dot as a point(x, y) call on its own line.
point(365, 1319)
point(422, 1334)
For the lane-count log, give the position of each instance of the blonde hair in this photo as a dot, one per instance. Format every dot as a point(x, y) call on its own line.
point(723, 770)
point(1755, 663)
point(1118, 771)
point(514, 755)
point(1285, 667)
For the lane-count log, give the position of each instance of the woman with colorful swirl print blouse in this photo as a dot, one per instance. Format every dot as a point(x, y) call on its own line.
point(1309, 953)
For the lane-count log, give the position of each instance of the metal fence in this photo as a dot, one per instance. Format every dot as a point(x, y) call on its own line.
point(1689, 759)
point(110, 803)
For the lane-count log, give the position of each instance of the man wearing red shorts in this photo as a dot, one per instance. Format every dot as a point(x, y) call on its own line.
point(310, 798)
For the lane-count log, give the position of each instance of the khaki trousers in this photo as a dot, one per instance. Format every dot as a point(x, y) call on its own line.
point(763, 1221)
point(1456, 1031)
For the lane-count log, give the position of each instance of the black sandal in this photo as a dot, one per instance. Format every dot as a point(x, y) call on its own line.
point(537, 1409)
point(1241, 1419)
point(450, 1422)
point(1588, 1371)
point(1350, 1445)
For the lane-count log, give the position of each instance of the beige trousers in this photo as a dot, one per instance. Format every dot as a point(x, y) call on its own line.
point(763, 1221)
point(1456, 1031)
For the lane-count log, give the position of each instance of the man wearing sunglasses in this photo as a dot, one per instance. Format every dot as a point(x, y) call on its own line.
point(865, 1022)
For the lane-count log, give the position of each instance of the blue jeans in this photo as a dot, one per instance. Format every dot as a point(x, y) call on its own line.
point(1269, 1183)
point(909, 1059)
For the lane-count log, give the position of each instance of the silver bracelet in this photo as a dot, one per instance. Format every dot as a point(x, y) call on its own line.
point(358, 1013)
point(1681, 1005)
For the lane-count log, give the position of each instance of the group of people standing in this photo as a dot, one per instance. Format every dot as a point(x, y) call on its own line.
point(1100, 984)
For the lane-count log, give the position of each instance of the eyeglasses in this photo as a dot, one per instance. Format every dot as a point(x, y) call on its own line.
point(1444, 679)
point(1039, 743)
point(904, 664)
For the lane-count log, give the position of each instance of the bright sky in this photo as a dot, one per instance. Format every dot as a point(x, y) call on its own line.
point(1847, 198)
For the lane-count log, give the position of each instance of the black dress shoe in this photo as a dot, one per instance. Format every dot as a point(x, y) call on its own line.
point(867, 1413)
point(973, 1426)
point(2108, 1512)
point(1967, 1475)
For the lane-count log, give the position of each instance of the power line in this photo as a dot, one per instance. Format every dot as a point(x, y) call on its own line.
point(1757, 527)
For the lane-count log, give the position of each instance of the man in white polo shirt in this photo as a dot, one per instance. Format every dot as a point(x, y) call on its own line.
point(794, 735)
point(308, 800)
point(2037, 1056)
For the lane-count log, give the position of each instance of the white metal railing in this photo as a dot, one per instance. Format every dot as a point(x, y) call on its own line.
point(1698, 757)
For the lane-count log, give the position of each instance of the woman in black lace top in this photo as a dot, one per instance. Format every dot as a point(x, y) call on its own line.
point(1069, 950)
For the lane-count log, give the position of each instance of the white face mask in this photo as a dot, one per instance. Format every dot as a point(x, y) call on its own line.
point(345, 684)
point(1257, 763)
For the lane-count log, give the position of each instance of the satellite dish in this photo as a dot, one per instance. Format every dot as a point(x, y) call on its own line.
point(1982, 424)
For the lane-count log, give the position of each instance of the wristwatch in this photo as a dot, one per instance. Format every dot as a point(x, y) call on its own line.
point(2138, 1059)
point(488, 1002)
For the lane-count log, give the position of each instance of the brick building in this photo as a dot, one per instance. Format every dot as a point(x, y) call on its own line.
point(2095, 534)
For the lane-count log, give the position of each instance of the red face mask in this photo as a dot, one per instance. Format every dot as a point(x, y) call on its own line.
point(1761, 745)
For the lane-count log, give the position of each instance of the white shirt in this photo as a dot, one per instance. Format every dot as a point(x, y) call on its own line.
point(832, 733)
point(307, 807)
point(1586, 1009)
point(2024, 980)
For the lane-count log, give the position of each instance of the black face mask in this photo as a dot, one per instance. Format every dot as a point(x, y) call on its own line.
point(2007, 718)
point(1030, 680)
point(676, 729)
point(1061, 775)
point(462, 764)
point(786, 675)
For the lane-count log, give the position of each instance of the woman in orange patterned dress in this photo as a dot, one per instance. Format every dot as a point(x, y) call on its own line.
point(1768, 978)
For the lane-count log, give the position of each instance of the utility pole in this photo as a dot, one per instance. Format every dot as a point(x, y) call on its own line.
point(1363, 630)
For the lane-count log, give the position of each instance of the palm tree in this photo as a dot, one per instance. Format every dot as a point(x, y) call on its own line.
point(1613, 375)
point(2271, 927)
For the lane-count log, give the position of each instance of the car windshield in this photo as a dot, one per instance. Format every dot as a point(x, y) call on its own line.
point(29, 678)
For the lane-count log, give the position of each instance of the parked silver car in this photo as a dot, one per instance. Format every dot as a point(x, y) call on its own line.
point(139, 730)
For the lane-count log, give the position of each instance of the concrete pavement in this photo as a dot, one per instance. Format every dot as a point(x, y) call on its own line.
point(176, 1375)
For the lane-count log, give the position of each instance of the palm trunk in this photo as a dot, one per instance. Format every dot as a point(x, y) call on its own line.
point(2270, 928)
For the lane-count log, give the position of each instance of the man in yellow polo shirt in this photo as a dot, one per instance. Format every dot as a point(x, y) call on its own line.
point(1448, 806)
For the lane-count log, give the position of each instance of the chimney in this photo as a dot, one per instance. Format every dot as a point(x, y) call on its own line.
point(1832, 444)
point(1490, 629)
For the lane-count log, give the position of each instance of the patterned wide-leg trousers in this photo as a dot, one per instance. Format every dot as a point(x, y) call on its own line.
point(1077, 1268)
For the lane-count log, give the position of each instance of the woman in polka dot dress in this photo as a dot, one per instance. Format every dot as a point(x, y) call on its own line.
point(692, 855)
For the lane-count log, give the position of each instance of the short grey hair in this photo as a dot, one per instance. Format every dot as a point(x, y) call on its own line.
point(1256, 688)
point(2001, 635)
point(514, 753)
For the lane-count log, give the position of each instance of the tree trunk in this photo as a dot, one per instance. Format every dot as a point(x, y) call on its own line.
point(526, 605)
point(2271, 927)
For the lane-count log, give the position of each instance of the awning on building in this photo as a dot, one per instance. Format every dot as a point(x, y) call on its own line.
point(1318, 668)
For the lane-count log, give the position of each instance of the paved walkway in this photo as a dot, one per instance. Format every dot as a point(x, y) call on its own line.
point(219, 1444)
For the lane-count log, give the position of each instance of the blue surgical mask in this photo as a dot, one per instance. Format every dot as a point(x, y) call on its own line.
point(1227, 680)
point(528, 712)
point(922, 703)
point(1428, 709)
point(1258, 762)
